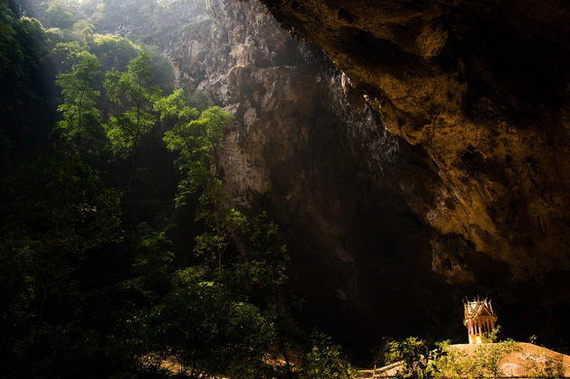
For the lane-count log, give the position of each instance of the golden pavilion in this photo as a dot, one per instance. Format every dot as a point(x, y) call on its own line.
point(479, 320)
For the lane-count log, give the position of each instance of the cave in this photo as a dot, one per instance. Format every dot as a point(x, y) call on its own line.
point(412, 153)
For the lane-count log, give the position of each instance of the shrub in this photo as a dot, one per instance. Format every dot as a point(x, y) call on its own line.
point(483, 362)
point(325, 360)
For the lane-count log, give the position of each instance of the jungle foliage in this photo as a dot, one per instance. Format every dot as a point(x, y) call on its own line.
point(119, 254)
point(441, 360)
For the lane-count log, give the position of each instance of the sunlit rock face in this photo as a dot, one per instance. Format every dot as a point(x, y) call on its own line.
point(346, 193)
point(435, 167)
point(483, 88)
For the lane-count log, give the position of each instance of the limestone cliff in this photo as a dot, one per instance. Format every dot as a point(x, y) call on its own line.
point(433, 166)
point(482, 87)
point(347, 193)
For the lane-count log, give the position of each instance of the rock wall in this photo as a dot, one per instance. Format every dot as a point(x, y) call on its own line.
point(483, 88)
point(346, 192)
point(434, 166)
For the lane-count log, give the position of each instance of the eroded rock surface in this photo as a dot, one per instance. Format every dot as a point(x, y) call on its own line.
point(483, 88)
point(433, 166)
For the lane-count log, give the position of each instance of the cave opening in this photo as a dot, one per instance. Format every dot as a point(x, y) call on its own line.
point(219, 188)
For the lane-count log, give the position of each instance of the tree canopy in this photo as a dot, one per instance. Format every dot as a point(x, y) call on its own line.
point(120, 253)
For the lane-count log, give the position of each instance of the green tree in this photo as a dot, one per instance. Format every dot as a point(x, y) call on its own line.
point(175, 111)
point(59, 16)
point(134, 94)
point(26, 105)
point(197, 143)
point(85, 29)
point(48, 236)
point(115, 52)
point(258, 268)
point(96, 282)
point(416, 355)
point(202, 327)
point(260, 273)
point(263, 259)
point(81, 121)
point(325, 360)
point(153, 262)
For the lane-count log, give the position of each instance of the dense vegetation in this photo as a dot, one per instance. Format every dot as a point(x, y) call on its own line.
point(119, 254)
point(421, 359)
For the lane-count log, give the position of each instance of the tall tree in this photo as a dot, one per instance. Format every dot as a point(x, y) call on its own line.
point(134, 93)
point(198, 144)
point(81, 121)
